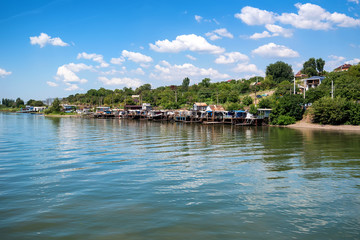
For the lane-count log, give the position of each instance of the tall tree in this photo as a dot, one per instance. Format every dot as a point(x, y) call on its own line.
point(185, 84)
point(280, 71)
point(320, 63)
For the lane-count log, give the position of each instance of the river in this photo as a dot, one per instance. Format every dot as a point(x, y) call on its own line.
point(73, 178)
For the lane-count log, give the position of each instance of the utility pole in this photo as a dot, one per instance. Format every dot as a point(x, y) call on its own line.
point(217, 97)
point(332, 88)
point(294, 86)
point(255, 89)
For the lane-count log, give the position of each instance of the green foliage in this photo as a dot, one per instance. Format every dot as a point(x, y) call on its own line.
point(285, 120)
point(55, 107)
point(205, 82)
point(288, 105)
point(19, 102)
point(232, 106)
point(8, 102)
point(283, 88)
point(253, 109)
point(313, 67)
point(314, 94)
point(247, 100)
point(185, 84)
point(330, 111)
point(280, 72)
point(265, 103)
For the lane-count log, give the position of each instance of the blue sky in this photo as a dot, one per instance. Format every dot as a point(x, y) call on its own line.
point(63, 47)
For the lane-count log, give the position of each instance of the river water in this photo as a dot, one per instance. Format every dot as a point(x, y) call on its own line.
point(70, 178)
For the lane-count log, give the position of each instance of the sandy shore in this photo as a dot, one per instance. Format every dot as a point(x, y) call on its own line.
point(306, 125)
point(63, 116)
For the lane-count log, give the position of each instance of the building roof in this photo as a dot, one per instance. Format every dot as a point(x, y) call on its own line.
point(314, 78)
point(343, 67)
point(216, 108)
point(201, 104)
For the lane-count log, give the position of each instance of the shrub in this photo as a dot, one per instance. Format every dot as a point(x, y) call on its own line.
point(285, 120)
point(247, 100)
point(331, 111)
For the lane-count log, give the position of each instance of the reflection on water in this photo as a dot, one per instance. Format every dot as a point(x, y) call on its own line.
point(119, 179)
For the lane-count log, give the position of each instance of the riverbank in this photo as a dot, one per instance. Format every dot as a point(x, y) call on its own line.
point(306, 125)
point(62, 116)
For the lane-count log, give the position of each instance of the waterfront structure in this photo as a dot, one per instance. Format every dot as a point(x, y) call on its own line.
point(200, 106)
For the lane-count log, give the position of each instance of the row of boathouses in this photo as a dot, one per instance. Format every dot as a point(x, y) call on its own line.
point(200, 113)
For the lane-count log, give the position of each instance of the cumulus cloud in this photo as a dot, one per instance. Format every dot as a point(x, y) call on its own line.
point(255, 16)
point(136, 57)
point(311, 16)
point(94, 57)
point(308, 16)
point(52, 84)
point(166, 71)
point(198, 18)
point(189, 42)
point(353, 61)
point(191, 57)
point(248, 68)
point(354, 1)
point(272, 50)
point(44, 39)
point(231, 57)
point(218, 34)
point(4, 73)
point(264, 34)
point(66, 72)
point(71, 87)
point(117, 61)
point(138, 71)
point(128, 82)
point(275, 31)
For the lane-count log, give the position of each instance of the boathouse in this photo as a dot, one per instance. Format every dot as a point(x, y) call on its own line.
point(200, 106)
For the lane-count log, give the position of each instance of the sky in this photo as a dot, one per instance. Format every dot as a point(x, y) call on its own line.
point(57, 48)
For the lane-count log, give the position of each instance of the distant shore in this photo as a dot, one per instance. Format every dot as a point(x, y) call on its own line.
point(306, 125)
point(62, 116)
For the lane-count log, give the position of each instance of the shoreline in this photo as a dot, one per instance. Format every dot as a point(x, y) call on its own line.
point(306, 125)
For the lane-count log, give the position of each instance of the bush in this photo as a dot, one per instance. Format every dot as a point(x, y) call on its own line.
point(285, 120)
point(247, 100)
point(331, 111)
point(232, 106)
point(288, 105)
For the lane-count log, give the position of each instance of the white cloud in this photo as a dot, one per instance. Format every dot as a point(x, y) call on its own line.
point(255, 16)
point(67, 72)
point(138, 71)
point(189, 42)
point(198, 18)
point(218, 34)
point(128, 82)
point(275, 30)
point(278, 30)
point(264, 34)
point(334, 62)
point(93, 56)
point(136, 57)
point(354, 1)
point(44, 39)
point(4, 73)
point(72, 87)
point(248, 68)
point(117, 61)
point(191, 57)
point(52, 84)
point(353, 61)
point(166, 71)
point(231, 57)
point(311, 16)
point(272, 50)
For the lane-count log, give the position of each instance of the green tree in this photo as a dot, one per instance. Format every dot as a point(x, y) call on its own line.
point(205, 82)
point(247, 100)
point(253, 109)
point(309, 67)
point(288, 105)
point(19, 102)
point(280, 71)
point(185, 84)
point(265, 103)
point(55, 107)
point(320, 63)
point(329, 110)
